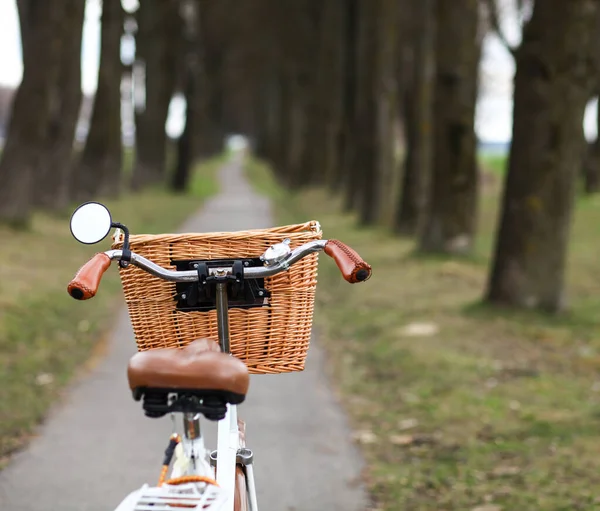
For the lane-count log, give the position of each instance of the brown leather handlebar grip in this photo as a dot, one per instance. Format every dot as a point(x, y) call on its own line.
point(352, 266)
point(85, 283)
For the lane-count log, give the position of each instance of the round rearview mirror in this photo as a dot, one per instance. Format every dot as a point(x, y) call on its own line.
point(90, 223)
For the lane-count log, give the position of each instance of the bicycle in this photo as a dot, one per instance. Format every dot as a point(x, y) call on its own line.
point(199, 377)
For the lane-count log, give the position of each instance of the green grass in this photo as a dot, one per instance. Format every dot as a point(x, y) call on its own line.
point(494, 163)
point(490, 407)
point(45, 335)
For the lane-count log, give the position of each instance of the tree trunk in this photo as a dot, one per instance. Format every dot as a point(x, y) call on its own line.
point(190, 66)
point(592, 161)
point(374, 146)
point(284, 122)
point(181, 176)
point(268, 112)
point(26, 139)
point(360, 143)
point(451, 213)
point(343, 174)
point(296, 174)
point(324, 112)
point(383, 197)
point(556, 67)
point(157, 42)
point(55, 170)
point(207, 139)
point(417, 99)
point(301, 43)
point(100, 166)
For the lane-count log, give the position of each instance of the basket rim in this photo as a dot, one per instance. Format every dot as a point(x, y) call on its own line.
point(312, 227)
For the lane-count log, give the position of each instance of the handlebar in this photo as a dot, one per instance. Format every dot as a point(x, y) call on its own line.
point(85, 283)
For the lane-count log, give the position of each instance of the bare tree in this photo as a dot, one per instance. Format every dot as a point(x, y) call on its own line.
point(26, 138)
point(54, 173)
point(343, 173)
point(325, 104)
point(373, 153)
point(452, 204)
point(557, 64)
point(190, 64)
point(213, 18)
point(156, 43)
point(300, 43)
point(417, 101)
point(100, 166)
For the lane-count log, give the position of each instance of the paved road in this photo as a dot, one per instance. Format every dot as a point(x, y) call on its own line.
point(97, 446)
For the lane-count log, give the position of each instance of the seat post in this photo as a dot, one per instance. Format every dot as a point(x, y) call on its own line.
point(222, 305)
point(191, 426)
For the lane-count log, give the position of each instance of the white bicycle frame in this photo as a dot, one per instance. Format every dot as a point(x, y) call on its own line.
point(191, 456)
point(228, 433)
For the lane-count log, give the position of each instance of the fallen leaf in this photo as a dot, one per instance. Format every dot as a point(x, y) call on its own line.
point(44, 379)
point(408, 424)
point(505, 471)
point(402, 439)
point(514, 405)
point(420, 329)
point(411, 398)
point(416, 439)
point(491, 383)
point(365, 437)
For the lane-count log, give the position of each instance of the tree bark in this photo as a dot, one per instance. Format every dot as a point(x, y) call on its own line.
point(556, 67)
point(373, 160)
point(300, 43)
point(26, 139)
point(417, 100)
point(55, 170)
point(208, 135)
point(284, 121)
point(345, 168)
point(181, 175)
point(324, 112)
point(364, 124)
point(452, 204)
point(100, 166)
point(190, 64)
point(380, 203)
point(157, 42)
point(297, 175)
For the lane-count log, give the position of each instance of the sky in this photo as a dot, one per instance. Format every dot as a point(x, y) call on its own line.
point(494, 110)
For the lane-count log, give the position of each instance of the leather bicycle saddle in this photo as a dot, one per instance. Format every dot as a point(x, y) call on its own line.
point(198, 370)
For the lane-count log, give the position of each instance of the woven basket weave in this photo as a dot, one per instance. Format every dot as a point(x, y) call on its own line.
point(270, 339)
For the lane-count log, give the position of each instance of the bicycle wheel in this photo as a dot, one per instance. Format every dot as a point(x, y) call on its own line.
point(240, 498)
point(240, 502)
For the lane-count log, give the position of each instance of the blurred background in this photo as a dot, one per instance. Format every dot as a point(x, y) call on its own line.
point(454, 142)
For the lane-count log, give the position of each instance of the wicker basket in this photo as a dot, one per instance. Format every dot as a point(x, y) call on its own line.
point(269, 339)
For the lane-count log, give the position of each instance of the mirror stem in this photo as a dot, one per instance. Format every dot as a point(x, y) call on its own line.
point(126, 257)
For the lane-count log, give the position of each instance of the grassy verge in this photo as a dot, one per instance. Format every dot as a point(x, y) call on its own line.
point(457, 406)
point(44, 334)
point(494, 163)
